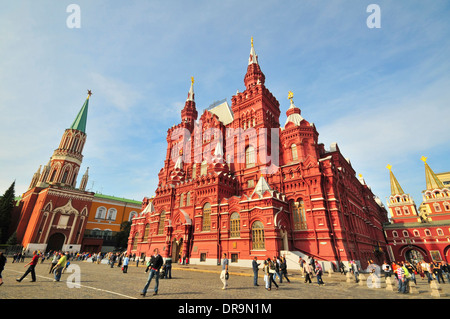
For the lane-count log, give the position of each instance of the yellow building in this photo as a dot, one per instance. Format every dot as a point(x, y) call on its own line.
point(105, 217)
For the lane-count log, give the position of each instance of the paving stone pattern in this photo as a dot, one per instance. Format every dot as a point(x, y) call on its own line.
point(100, 281)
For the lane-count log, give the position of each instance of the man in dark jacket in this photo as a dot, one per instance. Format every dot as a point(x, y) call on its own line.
point(255, 266)
point(156, 262)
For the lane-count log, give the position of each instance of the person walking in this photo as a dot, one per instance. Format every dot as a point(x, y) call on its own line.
point(59, 267)
point(319, 272)
point(224, 272)
point(54, 261)
point(355, 269)
point(301, 262)
point(283, 269)
point(401, 275)
point(168, 268)
point(412, 271)
point(276, 262)
point(2, 266)
point(31, 266)
point(271, 276)
point(307, 270)
point(126, 260)
point(156, 263)
point(255, 266)
point(438, 272)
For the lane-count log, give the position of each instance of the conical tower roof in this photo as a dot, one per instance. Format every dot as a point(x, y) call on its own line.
point(396, 189)
point(432, 180)
point(80, 121)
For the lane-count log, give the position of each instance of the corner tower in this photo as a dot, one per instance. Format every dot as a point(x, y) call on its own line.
point(66, 160)
point(401, 205)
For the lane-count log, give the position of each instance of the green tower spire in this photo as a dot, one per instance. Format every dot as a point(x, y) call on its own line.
point(80, 121)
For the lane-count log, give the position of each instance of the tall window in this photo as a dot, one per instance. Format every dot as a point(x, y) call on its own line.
point(250, 156)
point(64, 178)
point(181, 200)
point(206, 226)
point(188, 199)
point(146, 232)
point(294, 152)
point(135, 239)
point(193, 170)
point(258, 241)
point(162, 218)
point(75, 144)
point(235, 225)
point(298, 212)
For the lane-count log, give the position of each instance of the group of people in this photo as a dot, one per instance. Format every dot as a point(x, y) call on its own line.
point(405, 272)
point(309, 268)
point(60, 262)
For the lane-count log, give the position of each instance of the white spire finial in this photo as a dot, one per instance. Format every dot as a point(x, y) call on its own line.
point(191, 91)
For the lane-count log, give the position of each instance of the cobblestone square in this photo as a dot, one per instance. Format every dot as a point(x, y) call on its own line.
point(100, 281)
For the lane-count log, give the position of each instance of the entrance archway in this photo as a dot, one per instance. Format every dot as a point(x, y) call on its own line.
point(176, 249)
point(414, 256)
point(55, 242)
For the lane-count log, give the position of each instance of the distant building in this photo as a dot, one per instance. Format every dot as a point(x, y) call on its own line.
point(55, 214)
point(105, 217)
point(235, 181)
point(420, 234)
point(52, 214)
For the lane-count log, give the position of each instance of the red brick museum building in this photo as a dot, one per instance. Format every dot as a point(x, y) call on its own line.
point(235, 180)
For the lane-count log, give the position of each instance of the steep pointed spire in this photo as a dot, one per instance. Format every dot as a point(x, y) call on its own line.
point(189, 112)
point(396, 189)
point(254, 75)
point(253, 58)
point(84, 180)
point(191, 91)
point(35, 178)
point(80, 121)
point(432, 180)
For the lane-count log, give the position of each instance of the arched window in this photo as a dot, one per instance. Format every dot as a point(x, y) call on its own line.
point(250, 156)
point(258, 241)
point(75, 145)
point(101, 213)
point(132, 215)
point(206, 225)
point(188, 199)
point(146, 232)
point(112, 213)
point(294, 152)
point(162, 218)
point(135, 239)
point(181, 200)
point(193, 170)
point(298, 213)
point(64, 178)
point(235, 225)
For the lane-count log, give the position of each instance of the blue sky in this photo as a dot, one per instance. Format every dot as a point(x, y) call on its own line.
point(382, 93)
